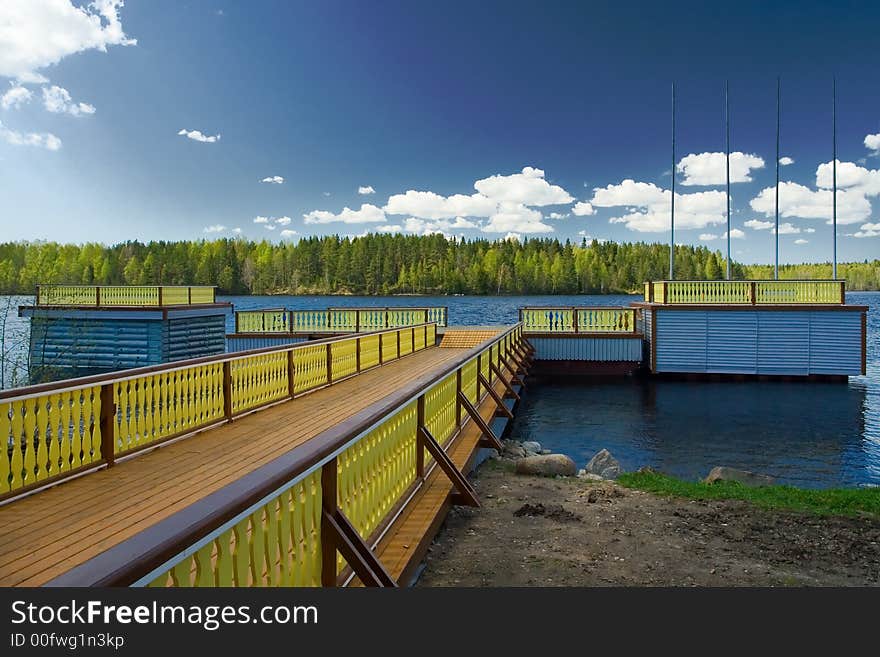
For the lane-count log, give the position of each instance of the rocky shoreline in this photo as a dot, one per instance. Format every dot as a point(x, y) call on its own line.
point(583, 529)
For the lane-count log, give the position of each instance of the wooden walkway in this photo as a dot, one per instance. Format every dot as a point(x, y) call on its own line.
point(54, 530)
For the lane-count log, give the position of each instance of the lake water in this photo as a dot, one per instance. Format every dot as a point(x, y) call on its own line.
point(805, 434)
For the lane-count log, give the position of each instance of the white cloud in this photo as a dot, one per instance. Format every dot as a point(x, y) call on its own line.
point(809, 230)
point(366, 190)
point(582, 209)
point(796, 200)
point(288, 233)
point(507, 202)
point(367, 214)
point(710, 168)
point(649, 206)
point(801, 241)
point(785, 160)
point(516, 217)
point(196, 135)
point(735, 234)
point(868, 230)
point(428, 205)
point(283, 221)
point(15, 97)
point(57, 100)
point(429, 227)
point(513, 237)
point(237, 231)
point(215, 228)
point(872, 142)
point(326, 193)
point(385, 228)
point(757, 224)
point(787, 229)
point(38, 33)
point(558, 215)
point(269, 227)
point(40, 139)
point(261, 220)
point(527, 187)
point(275, 180)
point(849, 176)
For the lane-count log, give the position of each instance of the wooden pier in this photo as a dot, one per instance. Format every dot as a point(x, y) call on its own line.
point(325, 463)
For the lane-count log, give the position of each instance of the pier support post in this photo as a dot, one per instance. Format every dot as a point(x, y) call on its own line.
point(108, 424)
point(337, 533)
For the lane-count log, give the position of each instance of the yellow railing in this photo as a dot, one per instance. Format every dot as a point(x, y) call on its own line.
point(335, 320)
point(124, 295)
point(746, 292)
point(262, 321)
point(587, 319)
point(58, 429)
point(366, 477)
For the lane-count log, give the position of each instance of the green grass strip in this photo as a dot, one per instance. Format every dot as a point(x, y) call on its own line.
point(834, 501)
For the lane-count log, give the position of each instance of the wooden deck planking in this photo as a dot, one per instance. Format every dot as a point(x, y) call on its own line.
point(54, 530)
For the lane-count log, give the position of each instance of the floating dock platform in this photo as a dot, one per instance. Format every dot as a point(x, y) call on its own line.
point(81, 330)
point(791, 329)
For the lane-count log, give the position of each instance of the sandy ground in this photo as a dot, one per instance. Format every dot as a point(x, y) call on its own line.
point(535, 531)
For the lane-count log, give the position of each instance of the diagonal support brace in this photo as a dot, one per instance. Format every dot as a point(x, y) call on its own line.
point(524, 355)
point(516, 373)
point(500, 402)
point(466, 495)
point(509, 388)
point(355, 551)
point(489, 435)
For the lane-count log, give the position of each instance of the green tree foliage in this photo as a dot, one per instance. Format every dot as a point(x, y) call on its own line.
point(384, 264)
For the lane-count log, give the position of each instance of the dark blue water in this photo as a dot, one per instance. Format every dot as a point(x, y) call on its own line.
point(805, 434)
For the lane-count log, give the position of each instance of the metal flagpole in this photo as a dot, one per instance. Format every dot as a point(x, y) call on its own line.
point(776, 261)
point(834, 171)
point(727, 127)
point(672, 205)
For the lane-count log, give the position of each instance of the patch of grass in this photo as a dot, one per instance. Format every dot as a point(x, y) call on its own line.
point(834, 501)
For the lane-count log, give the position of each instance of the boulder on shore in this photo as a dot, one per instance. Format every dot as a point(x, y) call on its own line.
point(744, 477)
point(604, 465)
point(513, 449)
point(532, 446)
point(549, 465)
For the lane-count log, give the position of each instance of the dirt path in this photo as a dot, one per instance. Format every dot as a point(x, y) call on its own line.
point(568, 532)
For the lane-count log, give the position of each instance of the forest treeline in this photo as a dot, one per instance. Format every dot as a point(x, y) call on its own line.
point(384, 264)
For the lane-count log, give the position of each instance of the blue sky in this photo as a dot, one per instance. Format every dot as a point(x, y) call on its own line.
point(475, 119)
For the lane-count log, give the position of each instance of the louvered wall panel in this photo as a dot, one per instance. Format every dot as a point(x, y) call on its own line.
point(588, 349)
point(835, 343)
point(784, 343)
point(682, 341)
point(732, 342)
point(194, 337)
